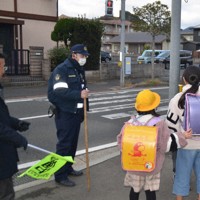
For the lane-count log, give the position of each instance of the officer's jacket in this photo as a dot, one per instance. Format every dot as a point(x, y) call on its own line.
point(65, 85)
point(10, 139)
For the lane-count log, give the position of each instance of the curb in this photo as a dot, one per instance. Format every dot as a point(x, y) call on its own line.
point(95, 158)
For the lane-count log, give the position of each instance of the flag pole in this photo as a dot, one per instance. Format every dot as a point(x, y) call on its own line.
point(86, 144)
point(39, 149)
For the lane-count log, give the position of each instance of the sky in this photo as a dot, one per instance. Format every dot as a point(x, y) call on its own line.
point(95, 8)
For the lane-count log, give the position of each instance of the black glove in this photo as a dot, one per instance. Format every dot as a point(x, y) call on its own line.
point(23, 125)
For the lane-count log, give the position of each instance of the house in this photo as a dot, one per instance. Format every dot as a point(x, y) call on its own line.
point(193, 44)
point(112, 28)
point(26, 24)
point(188, 34)
point(136, 41)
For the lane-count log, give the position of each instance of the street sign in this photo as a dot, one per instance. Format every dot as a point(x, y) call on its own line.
point(127, 65)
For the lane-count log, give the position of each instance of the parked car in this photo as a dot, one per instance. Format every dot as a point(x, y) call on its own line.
point(162, 56)
point(185, 58)
point(146, 56)
point(105, 56)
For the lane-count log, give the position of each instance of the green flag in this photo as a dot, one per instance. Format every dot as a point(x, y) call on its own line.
point(46, 167)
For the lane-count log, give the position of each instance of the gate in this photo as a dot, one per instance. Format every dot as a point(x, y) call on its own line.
point(18, 63)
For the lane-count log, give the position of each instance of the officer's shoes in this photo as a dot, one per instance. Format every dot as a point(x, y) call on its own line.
point(67, 182)
point(76, 173)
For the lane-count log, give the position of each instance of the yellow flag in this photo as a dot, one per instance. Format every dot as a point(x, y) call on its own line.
point(46, 167)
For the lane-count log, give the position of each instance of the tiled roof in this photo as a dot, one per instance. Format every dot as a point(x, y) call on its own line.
point(139, 37)
point(197, 26)
point(114, 21)
point(188, 31)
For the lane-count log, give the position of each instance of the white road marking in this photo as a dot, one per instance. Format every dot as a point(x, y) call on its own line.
point(110, 108)
point(80, 152)
point(33, 117)
point(26, 99)
point(113, 97)
point(111, 102)
point(116, 116)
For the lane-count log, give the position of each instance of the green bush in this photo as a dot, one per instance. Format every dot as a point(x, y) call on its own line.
point(57, 55)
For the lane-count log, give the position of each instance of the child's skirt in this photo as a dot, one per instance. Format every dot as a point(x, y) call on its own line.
point(151, 182)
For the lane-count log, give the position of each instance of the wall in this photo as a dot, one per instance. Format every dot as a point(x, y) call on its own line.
point(39, 7)
point(38, 33)
point(7, 5)
point(143, 71)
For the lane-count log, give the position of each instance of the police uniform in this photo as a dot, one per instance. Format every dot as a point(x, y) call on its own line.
point(64, 91)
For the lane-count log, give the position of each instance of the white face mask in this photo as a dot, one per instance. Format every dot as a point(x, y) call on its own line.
point(82, 61)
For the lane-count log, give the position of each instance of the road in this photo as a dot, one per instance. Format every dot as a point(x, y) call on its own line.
point(108, 112)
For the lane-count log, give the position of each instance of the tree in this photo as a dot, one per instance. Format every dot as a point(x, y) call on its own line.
point(63, 30)
point(153, 18)
point(81, 30)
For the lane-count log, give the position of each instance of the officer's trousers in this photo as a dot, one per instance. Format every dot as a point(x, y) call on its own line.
point(68, 128)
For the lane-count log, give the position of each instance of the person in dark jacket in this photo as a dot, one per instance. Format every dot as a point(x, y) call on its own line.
point(10, 140)
point(66, 91)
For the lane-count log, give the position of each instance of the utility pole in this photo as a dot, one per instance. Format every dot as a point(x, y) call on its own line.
point(174, 73)
point(122, 43)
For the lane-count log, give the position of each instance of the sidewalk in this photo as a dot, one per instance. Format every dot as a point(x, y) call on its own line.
point(106, 182)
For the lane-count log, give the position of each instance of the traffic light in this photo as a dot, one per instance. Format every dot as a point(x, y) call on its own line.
point(109, 7)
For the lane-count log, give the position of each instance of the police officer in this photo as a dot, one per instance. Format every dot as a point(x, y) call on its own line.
point(66, 91)
point(10, 140)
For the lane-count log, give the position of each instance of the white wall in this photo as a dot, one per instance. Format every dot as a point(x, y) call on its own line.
point(40, 7)
point(165, 45)
point(38, 33)
point(7, 5)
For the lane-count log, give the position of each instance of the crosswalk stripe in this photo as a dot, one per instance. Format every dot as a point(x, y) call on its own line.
point(113, 97)
point(110, 108)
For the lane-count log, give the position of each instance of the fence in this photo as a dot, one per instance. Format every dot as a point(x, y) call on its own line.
point(18, 62)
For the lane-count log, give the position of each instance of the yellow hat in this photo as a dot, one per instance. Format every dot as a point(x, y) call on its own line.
point(147, 100)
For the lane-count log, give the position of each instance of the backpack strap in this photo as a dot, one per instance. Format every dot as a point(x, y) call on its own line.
point(153, 121)
point(150, 122)
point(134, 121)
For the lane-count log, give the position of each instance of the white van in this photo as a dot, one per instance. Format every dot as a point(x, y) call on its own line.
point(146, 56)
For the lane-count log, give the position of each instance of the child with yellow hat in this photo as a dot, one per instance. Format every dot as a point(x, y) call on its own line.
point(146, 103)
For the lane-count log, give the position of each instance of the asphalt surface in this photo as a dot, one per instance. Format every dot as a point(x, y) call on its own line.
point(106, 174)
point(41, 90)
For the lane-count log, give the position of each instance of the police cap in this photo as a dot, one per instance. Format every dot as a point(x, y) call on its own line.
point(80, 48)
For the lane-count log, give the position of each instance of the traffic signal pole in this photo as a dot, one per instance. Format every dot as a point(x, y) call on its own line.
point(122, 43)
point(174, 73)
